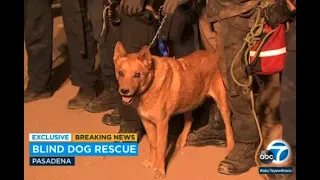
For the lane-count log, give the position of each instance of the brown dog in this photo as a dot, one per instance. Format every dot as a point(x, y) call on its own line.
point(159, 87)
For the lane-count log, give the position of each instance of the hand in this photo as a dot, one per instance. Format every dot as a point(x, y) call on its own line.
point(278, 13)
point(132, 7)
point(170, 6)
point(291, 5)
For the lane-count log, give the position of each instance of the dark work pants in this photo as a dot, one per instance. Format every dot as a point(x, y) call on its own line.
point(288, 89)
point(38, 39)
point(84, 75)
point(82, 64)
point(243, 123)
point(288, 99)
point(95, 10)
point(242, 119)
point(181, 34)
point(134, 35)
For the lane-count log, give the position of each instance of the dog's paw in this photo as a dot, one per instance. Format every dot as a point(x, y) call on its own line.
point(181, 143)
point(147, 164)
point(159, 174)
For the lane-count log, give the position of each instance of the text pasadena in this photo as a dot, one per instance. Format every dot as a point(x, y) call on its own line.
point(52, 161)
point(84, 149)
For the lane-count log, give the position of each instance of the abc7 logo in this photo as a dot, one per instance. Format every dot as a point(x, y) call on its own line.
point(266, 157)
point(278, 152)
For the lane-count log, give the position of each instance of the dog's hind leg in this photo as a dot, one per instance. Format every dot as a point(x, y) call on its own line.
point(182, 140)
point(218, 93)
point(162, 142)
point(225, 113)
point(152, 136)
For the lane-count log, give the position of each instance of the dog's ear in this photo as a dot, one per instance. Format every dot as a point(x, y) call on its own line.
point(144, 55)
point(119, 51)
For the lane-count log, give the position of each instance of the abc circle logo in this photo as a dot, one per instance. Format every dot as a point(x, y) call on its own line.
point(266, 157)
point(278, 152)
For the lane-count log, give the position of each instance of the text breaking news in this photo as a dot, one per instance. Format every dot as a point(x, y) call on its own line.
point(60, 149)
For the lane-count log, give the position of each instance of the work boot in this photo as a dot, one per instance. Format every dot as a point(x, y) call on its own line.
point(212, 134)
point(30, 95)
point(286, 176)
point(106, 100)
point(82, 98)
point(129, 129)
point(239, 160)
point(112, 119)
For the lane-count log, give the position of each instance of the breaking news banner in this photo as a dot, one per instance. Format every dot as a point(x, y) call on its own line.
point(60, 149)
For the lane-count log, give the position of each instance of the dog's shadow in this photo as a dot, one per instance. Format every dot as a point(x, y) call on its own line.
point(200, 119)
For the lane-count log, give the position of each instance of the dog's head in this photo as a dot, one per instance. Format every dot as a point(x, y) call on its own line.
point(134, 72)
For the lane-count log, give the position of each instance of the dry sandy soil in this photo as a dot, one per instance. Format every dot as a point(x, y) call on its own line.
point(52, 115)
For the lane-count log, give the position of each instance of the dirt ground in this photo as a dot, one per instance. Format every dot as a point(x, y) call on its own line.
point(52, 115)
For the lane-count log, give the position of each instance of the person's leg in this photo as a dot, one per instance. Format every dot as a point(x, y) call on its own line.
point(245, 131)
point(211, 134)
point(38, 39)
point(112, 36)
point(288, 99)
point(107, 99)
point(241, 158)
point(288, 88)
point(134, 35)
point(78, 31)
point(287, 113)
point(214, 132)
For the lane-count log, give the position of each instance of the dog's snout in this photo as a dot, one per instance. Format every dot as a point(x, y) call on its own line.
point(124, 91)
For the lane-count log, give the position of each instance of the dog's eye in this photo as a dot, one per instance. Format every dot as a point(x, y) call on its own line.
point(120, 73)
point(136, 75)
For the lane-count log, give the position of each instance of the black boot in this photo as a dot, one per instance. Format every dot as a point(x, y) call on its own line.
point(30, 95)
point(287, 176)
point(239, 160)
point(112, 119)
point(106, 100)
point(82, 98)
point(211, 134)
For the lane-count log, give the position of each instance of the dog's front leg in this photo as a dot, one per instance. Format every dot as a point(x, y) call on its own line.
point(162, 140)
point(152, 136)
